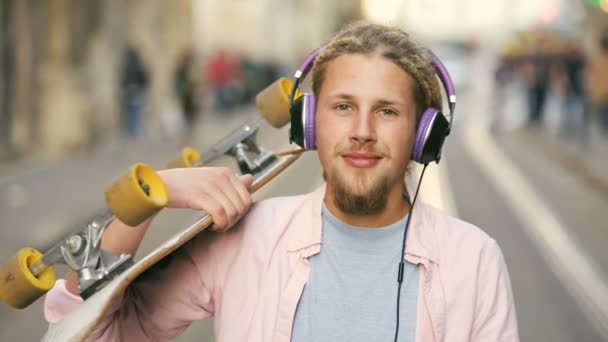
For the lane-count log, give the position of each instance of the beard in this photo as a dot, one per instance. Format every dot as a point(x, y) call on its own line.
point(371, 200)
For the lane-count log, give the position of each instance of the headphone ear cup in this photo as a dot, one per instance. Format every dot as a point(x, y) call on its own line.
point(296, 131)
point(430, 135)
point(310, 110)
point(302, 131)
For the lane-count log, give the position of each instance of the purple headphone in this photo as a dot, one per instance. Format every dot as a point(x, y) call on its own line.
point(432, 128)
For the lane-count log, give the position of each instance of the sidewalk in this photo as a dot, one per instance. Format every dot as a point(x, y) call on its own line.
point(587, 162)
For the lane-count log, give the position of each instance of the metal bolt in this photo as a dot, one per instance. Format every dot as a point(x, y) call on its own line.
point(74, 243)
point(86, 274)
point(145, 187)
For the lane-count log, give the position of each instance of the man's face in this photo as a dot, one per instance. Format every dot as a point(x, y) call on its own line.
point(365, 130)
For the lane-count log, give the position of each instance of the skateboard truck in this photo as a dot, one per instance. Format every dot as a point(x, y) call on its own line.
point(82, 253)
point(241, 145)
point(246, 165)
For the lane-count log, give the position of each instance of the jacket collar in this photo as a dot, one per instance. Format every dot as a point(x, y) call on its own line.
point(421, 239)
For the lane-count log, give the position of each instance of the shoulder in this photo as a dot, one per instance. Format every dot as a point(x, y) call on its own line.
point(277, 206)
point(457, 239)
point(268, 219)
point(453, 227)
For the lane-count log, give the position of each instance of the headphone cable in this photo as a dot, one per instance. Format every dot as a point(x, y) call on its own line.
point(402, 262)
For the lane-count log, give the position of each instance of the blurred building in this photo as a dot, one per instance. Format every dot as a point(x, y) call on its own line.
point(461, 20)
point(59, 75)
point(278, 30)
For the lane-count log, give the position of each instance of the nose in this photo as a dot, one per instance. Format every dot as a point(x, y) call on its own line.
point(364, 127)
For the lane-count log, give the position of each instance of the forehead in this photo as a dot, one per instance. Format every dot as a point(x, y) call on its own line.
point(367, 75)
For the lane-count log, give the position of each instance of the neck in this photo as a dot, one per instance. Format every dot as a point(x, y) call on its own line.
point(396, 207)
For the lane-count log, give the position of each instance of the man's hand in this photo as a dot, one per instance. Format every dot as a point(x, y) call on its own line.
point(216, 190)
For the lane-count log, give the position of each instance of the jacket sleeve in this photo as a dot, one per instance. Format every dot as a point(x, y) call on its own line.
point(163, 301)
point(495, 318)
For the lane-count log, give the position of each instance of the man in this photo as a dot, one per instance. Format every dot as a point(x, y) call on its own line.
point(322, 266)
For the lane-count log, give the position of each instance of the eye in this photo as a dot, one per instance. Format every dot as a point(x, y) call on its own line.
point(388, 112)
point(343, 107)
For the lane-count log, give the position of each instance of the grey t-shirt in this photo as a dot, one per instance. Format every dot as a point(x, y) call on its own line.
point(351, 294)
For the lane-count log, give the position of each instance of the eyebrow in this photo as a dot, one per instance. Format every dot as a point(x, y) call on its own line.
point(342, 96)
point(383, 102)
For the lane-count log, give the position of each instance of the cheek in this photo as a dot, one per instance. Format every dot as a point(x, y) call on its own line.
point(329, 131)
point(409, 140)
point(323, 138)
point(401, 143)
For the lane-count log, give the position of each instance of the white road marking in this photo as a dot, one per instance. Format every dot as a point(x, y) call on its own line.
point(567, 259)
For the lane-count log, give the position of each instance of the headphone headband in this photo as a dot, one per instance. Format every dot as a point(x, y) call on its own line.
point(444, 76)
point(308, 63)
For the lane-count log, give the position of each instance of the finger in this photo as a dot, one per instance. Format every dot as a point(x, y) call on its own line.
point(246, 180)
point(240, 184)
point(236, 190)
point(229, 201)
point(214, 208)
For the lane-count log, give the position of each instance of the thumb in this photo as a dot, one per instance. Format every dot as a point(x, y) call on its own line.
point(246, 180)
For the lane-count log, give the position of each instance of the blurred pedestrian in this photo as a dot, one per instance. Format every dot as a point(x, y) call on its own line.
point(538, 87)
point(577, 119)
point(225, 76)
point(189, 91)
point(134, 84)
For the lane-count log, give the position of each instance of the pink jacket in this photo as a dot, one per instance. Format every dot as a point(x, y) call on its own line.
point(250, 279)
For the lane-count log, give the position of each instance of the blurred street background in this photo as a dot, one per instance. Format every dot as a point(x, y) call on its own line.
point(89, 87)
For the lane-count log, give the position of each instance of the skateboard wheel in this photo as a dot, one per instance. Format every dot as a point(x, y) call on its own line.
point(136, 195)
point(273, 102)
point(187, 158)
point(19, 287)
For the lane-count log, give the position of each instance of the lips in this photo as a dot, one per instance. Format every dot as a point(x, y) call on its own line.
point(361, 159)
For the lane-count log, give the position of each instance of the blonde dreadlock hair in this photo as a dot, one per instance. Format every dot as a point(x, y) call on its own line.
point(388, 42)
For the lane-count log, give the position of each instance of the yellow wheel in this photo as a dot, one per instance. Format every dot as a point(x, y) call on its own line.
point(187, 158)
point(273, 102)
point(136, 195)
point(18, 286)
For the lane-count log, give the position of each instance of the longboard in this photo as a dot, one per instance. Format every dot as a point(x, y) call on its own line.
point(79, 323)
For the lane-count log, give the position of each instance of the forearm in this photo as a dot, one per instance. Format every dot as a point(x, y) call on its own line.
point(117, 239)
point(215, 190)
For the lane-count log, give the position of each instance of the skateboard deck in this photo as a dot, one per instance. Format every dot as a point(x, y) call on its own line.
point(78, 324)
